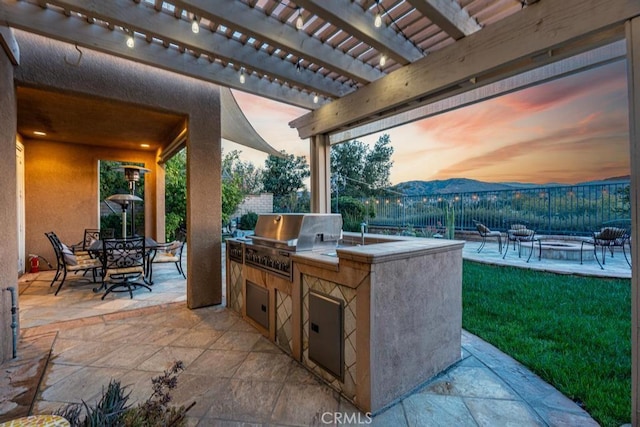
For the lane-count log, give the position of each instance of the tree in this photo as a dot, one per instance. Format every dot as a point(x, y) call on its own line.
point(232, 196)
point(250, 176)
point(284, 177)
point(112, 181)
point(235, 183)
point(359, 171)
point(378, 164)
point(176, 194)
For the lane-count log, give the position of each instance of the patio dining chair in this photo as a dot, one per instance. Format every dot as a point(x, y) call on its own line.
point(170, 252)
point(68, 261)
point(91, 235)
point(485, 232)
point(607, 238)
point(123, 265)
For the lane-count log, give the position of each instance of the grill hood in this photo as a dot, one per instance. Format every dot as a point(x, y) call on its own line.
point(298, 232)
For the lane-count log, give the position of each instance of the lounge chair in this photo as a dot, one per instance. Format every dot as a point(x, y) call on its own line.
point(485, 232)
point(607, 238)
point(519, 233)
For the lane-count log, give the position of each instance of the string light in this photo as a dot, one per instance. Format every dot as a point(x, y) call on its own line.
point(299, 20)
point(195, 26)
point(383, 60)
point(130, 40)
point(377, 22)
point(242, 77)
point(315, 98)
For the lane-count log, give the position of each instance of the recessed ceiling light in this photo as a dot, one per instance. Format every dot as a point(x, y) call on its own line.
point(144, 145)
point(39, 133)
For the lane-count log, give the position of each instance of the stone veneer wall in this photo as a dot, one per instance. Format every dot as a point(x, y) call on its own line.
point(235, 299)
point(348, 295)
point(284, 333)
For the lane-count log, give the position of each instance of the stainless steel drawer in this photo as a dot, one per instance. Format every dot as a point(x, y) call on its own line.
point(258, 304)
point(326, 333)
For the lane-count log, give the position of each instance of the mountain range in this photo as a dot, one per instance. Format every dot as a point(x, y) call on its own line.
point(465, 185)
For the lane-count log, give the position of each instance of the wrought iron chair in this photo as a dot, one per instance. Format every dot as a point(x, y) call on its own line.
point(519, 233)
point(91, 235)
point(123, 265)
point(171, 252)
point(485, 232)
point(607, 238)
point(68, 261)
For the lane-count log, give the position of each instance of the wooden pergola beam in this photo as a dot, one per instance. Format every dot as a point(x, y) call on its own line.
point(447, 15)
point(349, 17)
point(539, 34)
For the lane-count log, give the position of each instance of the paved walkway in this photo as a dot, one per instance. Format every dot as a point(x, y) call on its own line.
point(234, 374)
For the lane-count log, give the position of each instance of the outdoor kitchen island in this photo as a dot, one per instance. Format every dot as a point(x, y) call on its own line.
point(374, 321)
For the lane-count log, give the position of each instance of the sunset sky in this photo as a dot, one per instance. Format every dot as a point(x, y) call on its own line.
point(570, 130)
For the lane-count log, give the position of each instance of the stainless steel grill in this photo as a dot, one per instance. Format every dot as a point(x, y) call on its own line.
point(277, 236)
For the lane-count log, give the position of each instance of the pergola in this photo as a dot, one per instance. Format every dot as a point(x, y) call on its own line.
point(328, 56)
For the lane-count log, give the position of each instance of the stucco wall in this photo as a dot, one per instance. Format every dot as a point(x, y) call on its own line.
point(62, 191)
point(8, 202)
point(44, 64)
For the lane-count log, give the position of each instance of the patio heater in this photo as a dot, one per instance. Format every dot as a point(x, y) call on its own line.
point(124, 200)
point(132, 174)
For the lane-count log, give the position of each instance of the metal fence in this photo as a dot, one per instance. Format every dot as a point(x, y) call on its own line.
point(570, 210)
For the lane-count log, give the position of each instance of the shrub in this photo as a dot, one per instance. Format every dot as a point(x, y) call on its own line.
point(248, 221)
point(353, 213)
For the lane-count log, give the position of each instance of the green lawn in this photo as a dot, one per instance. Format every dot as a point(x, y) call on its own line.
point(574, 332)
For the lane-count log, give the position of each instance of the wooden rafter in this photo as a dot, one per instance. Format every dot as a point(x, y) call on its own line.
point(352, 20)
point(449, 16)
point(270, 30)
point(146, 20)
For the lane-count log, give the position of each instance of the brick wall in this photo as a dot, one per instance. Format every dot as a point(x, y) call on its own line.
point(261, 203)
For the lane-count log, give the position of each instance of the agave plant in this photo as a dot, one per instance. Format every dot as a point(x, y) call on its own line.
point(113, 408)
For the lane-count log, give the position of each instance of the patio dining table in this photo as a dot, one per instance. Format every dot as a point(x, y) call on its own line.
point(150, 245)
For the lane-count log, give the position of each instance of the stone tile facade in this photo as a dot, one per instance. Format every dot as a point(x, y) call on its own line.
point(348, 295)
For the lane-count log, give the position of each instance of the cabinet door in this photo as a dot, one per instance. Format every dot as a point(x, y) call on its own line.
point(258, 304)
point(326, 336)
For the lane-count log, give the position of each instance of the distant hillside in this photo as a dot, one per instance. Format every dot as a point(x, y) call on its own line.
point(464, 185)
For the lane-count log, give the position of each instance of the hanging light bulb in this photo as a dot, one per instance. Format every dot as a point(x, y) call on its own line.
point(299, 20)
point(377, 22)
point(242, 78)
point(195, 26)
point(131, 42)
point(383, 60)
point(315, 98)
